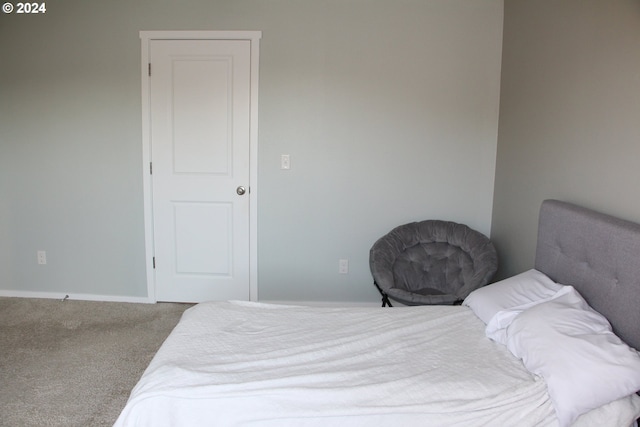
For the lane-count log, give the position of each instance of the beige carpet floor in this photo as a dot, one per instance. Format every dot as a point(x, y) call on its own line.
point(74, 363)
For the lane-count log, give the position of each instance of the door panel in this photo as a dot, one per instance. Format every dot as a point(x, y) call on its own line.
point(203, 240)
point(200, 118)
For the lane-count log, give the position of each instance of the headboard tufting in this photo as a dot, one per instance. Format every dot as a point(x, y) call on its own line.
point(597, 254)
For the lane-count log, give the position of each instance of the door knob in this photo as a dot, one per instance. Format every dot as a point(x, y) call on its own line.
point(241, 190)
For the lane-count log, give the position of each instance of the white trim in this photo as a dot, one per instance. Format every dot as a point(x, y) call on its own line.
point(72, 296)
point(146, 175)
point(254, 37)
point(323, 303)
point(253, 169)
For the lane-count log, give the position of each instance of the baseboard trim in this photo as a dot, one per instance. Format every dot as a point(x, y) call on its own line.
point(144, 300)
point(73, 296)
point(323, 303)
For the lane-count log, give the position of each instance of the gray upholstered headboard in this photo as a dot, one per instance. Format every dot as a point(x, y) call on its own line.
point(599, 255)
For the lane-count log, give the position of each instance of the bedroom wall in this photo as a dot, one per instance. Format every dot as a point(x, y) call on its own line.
point(569, 116)
point(387, 109)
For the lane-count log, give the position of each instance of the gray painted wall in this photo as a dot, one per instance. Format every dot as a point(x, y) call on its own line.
point(569, 116)
point(388, 109)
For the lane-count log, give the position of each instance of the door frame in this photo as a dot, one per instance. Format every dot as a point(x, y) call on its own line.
point(254, 38)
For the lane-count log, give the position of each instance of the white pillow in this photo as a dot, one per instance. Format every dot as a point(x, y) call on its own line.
point(584, 364)
point(497, 327)
point(525, 288)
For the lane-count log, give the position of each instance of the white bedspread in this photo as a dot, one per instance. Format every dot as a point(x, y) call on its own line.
point(240, 363)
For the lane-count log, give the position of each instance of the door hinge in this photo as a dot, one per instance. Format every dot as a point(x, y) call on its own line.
point(149, 69)
point(154, 262)
point(150, 168)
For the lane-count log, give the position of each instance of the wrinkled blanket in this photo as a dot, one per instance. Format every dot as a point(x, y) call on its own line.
point(242, 363)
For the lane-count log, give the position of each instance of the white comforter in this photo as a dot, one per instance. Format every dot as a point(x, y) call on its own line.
point(240, 363)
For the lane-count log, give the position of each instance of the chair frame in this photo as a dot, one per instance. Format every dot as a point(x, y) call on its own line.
point(466, 240)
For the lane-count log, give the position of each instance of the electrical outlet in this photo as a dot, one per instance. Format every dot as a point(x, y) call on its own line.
point(343, 266)
point(285, 161)
point(42, 257)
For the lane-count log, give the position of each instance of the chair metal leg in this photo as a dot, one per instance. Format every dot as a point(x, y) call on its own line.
point(385, 298)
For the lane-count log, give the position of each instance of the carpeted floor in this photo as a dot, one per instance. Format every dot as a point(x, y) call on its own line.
point(73, 363)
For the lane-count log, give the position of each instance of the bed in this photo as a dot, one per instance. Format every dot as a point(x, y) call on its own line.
point(530, 350)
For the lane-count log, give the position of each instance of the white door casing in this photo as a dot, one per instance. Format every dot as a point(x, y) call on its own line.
point(200, 138)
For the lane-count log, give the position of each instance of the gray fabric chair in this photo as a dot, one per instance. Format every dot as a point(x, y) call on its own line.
point(431, 262)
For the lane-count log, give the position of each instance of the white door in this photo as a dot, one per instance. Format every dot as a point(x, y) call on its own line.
point(199, 97)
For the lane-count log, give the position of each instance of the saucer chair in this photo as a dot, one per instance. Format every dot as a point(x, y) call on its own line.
point(431, 262)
